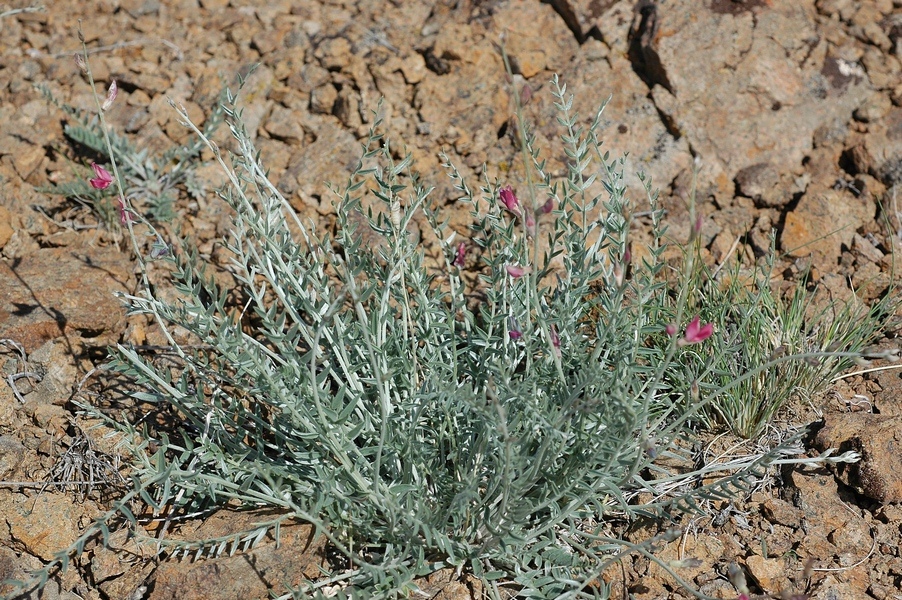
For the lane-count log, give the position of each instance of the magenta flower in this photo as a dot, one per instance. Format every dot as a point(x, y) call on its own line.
point(516, 271)
point(460, 255)
point(547, 207)
point(110, 96)
point(103, 179)
point(555, 338)
point(696, 332)
point(509, 200)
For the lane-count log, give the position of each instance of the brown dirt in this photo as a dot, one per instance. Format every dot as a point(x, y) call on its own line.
point(832, 164)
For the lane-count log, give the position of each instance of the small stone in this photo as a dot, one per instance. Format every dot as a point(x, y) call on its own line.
point(782, 512)
point(6, 229)
point(322, 99)
point(866, 248)
point(769, 573)
point(873, 109)
point(890, 513)
point(11, 454)
point(285, 124)
point(27, 160)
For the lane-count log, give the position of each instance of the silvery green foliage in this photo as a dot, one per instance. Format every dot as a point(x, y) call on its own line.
point(381, 397)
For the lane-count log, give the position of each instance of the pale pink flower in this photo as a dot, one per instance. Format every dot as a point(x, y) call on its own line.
point(516, 271)
point(696, 332)
point(555, 338)
point(530, 221)
point(110, 96)
point(671, 329)
point(509, 200)
point(460, 255)
point(103, 179)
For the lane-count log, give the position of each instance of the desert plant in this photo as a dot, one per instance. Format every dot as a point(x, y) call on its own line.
point(764, 325)
point(152, 182)
point(415, 420)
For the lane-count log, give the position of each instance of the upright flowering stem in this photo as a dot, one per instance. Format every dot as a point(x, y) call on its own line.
point(103, 177)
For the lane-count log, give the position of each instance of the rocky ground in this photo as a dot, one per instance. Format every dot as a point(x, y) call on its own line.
point(791, 110)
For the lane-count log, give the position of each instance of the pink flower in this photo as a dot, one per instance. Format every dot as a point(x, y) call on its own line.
point(555, 338)
point(110, 96)
point(460, 255)
point(103, 179)
point(509, 200)
point(696, 332)
point(516, 271)
point(530, 221)
point(547, 207)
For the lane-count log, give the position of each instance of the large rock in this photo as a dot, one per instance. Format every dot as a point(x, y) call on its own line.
point(823, 221)
point(630, 123)
point(747, 84)
point(57, 292)
point(878, 439)
point(252, 574)
point(45, 524)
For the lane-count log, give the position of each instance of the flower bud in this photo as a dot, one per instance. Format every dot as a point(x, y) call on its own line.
point(509, 200)
point(513, 329)
point(460, 255)
point(110, 96)
point(80, 62)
